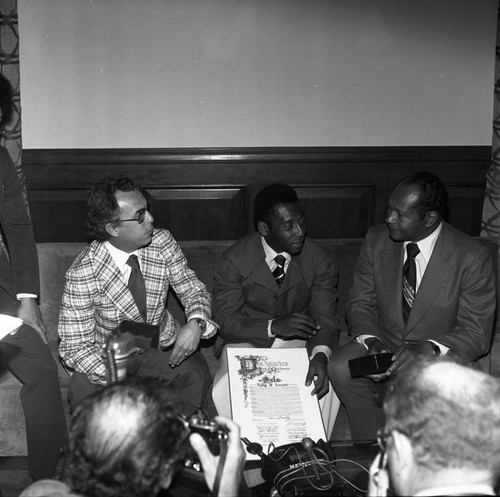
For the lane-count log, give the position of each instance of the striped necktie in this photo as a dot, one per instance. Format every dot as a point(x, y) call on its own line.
point(409, 279)
point(279, 271)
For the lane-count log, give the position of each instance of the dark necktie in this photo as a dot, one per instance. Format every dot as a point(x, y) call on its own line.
point(279, 271)
point(409, 279)
point(136, 285)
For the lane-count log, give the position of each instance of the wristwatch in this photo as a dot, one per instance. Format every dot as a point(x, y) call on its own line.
point(202, 324)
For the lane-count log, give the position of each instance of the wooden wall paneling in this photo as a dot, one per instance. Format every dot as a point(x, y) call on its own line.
point(59, 215)
point(332, 211)
point(341, 211)
point(225, 169)
point(199, 213)
point(466, 207)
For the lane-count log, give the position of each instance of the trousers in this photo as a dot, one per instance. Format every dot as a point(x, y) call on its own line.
point(189, 381)
point(29, 359)
point(358, 395)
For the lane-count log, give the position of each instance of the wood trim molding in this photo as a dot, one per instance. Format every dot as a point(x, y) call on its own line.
point(208, 191)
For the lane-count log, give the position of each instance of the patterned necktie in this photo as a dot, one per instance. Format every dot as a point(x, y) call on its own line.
point(136, 285)
point(279, 271)
point(409, 279)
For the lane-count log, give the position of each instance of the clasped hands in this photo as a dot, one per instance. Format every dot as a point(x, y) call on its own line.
point(400, 357)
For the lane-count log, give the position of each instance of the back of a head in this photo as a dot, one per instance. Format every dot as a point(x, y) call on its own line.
point(270, 196)
point(433, 195)
point(124, 440)
point(450, 412)
point(102, 205)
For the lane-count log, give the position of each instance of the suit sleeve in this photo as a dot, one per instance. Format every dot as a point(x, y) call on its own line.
point(362, 311)
point(18, 230)
point(191, 291)
point(229, 300)
point(78, 346)
point(470, 338)
point(323, 304)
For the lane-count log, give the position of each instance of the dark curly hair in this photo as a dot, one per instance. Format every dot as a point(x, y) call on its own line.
point(125, 440)
point(102, 206)
point(433, 195)
point(271, 196)
point(6, 101)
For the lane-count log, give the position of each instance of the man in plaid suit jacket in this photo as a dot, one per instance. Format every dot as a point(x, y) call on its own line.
point(96, 297)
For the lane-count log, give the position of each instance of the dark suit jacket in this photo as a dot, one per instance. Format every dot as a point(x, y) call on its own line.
point(455, 302)
point(246, 294)
point(20, 273)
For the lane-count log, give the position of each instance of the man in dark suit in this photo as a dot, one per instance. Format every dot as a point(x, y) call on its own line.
point(292, 302)
point(442, 433)
point(100, 293)
point(25, 352)
point(419, 287)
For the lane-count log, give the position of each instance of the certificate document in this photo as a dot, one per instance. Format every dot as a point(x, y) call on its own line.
point(269, 399)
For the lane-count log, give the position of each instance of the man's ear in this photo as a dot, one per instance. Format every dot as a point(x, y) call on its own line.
point(263, 228)
point(112, 229)
point(431, 218)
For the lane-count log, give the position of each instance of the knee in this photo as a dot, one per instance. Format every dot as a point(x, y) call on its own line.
point(200, 365)
point(42, 368)
point(338, 366)
point(196, 370)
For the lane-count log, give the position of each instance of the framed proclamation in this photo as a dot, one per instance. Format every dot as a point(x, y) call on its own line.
point(269, 399)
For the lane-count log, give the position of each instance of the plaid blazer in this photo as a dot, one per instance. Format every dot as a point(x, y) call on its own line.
point(96, 300)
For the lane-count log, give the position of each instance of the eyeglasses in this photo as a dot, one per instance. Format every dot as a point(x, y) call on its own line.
point(139, 219)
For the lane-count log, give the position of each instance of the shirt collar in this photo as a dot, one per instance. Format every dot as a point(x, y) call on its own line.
point(119, 256)
point(271, 253)
point(426, 245)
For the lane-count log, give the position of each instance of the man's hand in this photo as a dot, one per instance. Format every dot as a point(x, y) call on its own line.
point(233, 465)
point(318, 372)
point(186, 342)
point(376, 346)
point(295, 325)
point(379, 479)
point(30, 313)
point(403, 354)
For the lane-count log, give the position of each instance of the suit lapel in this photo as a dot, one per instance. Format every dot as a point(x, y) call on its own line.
point(439, 270)
point(263, 276)
point(154, 271)
point(112, 283)
point(391, 264)
point(293, 276)
point(254, 263)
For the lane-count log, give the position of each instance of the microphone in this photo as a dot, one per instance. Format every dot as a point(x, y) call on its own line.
point(308, 444)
